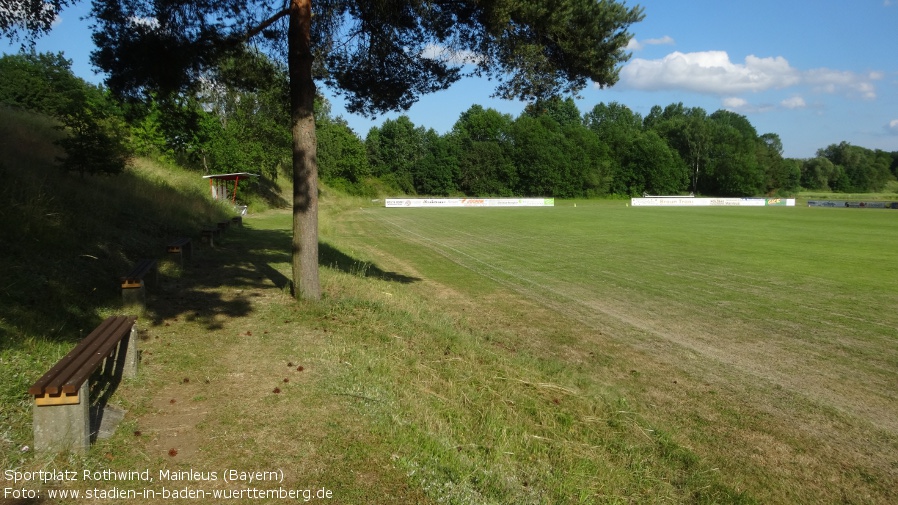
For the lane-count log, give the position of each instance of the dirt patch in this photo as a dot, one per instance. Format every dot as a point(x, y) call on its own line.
point(171, 427)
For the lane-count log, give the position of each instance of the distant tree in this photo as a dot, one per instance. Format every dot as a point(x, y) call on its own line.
point(342, 157)
point(687, 130)
point(97, 138)
point(394, 150)
point(614, 123)
point(617, 126)
point(42, 82)
point(817, 173)
point(894, 164)
point(436, 172)
point(563, 111)
point(864, 169)
point(96, 141)
point(782, 177)
point(249, 96)
point(590, 161)
point(790, 174)
point(148, 135)
point(379, 53)
point(664, 172)
point(733, 166)
point(543, 166)
point(643, 162)
point(481, 139)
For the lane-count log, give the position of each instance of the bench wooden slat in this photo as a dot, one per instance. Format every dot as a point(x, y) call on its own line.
point(69, 373)
point(102, 348)
point(136, 275)
point(176, 245)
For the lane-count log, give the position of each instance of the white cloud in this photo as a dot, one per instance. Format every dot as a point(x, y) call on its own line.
point(835, 81)
point(635, 45)
point(709, 72)
point(741, 105)
point(712, 72)
point(735, 103)
point(148, 22)
point(892, 127)
point(795, 102)
point(666, 40)
point(448, 55)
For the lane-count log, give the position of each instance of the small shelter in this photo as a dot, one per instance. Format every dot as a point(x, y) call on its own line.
point(220, 183)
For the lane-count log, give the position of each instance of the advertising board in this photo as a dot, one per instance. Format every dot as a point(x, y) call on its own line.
point(469, 202)
point(666, 201)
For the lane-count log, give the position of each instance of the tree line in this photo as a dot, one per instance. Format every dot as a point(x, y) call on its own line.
point(550, 149)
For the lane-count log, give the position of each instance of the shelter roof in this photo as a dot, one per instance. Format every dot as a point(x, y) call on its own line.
point(230, 177)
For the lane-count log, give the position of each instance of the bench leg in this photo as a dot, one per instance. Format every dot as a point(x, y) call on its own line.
point(129, 368)
point(135, 296)
point(179, 255)
point(59, 428)
point(153, 276)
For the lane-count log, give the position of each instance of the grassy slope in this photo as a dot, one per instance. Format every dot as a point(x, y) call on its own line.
point(465, 364)
point(66, 240)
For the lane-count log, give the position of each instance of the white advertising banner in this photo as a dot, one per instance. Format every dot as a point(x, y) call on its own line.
point(667, 201)
point(469, 202)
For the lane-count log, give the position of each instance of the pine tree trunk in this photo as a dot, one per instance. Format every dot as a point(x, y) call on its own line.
point(305, 162)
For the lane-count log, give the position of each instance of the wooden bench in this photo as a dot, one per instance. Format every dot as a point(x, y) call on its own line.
point(133, 292)
point(180, 247)
point(209, 234)
point(238, 220)
point(62, 397)
point(224, 225)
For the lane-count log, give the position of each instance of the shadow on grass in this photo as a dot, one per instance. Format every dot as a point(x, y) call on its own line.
point(330, 256)
point(217, 283)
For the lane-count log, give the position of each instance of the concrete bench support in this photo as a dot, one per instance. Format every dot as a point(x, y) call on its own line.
point(62, 403)
point(133, 284)
point(210, 235)
point(180, 248)
point(61, 428)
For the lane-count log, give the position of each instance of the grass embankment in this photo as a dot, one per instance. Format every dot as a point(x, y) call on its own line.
point(65, 242)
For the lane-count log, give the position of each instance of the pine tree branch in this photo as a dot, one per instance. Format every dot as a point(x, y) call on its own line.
point(265, 24)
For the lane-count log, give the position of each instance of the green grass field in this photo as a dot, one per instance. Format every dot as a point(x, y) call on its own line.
point(761, 340)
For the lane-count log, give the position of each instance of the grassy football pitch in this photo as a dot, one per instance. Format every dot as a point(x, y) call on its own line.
point(764, 339)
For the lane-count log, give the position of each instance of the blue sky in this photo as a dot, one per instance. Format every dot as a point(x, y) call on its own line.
point(815, 72)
